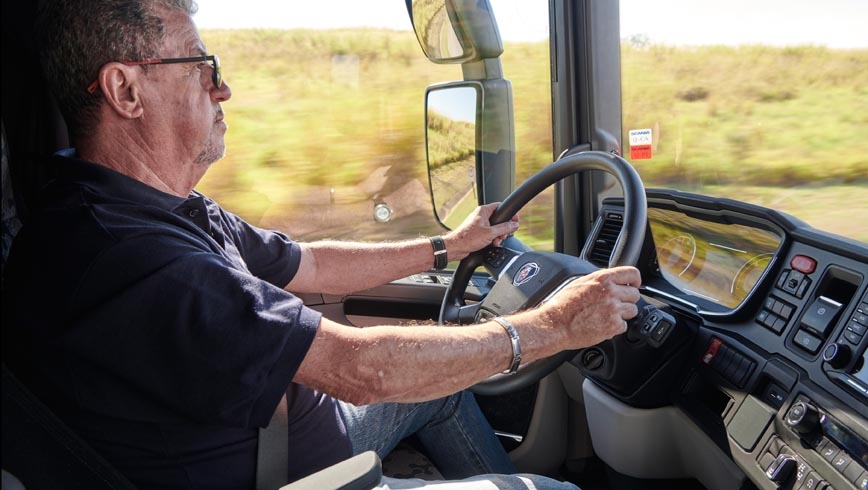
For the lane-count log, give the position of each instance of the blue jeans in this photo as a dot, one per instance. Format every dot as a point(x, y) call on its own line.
point(453, 433)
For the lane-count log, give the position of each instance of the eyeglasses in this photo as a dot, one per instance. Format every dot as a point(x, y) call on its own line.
point(216, 76)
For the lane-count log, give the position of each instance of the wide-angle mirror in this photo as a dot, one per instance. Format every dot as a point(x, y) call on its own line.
point(455, 31)
point(450, 134)
point(435, 32)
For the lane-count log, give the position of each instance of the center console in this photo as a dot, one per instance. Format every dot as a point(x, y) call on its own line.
point(818, 451)
point(787, 394)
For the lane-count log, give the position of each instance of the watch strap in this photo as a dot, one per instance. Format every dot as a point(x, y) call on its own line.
point(440, 254)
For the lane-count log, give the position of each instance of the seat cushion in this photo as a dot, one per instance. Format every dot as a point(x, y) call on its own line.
point(407, 462)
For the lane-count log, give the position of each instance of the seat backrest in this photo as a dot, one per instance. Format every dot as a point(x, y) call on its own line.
point(8, 211)
point(39, 450)
point(33, 127)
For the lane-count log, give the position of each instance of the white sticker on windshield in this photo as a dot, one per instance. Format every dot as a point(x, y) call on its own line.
point(640, 144)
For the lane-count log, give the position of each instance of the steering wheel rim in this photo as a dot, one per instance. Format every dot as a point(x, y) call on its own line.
point(627, 248)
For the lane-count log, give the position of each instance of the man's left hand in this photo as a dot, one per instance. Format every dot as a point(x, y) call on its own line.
point(477, 232)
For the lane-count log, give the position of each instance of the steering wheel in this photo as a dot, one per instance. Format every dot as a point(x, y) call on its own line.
point(525, 279)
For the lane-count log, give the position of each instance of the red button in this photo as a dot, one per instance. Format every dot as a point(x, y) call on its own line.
point(803, 264)
point(712, 350)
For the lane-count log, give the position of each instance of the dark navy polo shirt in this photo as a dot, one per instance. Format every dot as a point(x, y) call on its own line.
point(158, 328)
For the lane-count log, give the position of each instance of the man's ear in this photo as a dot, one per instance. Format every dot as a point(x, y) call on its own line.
point(120, 87)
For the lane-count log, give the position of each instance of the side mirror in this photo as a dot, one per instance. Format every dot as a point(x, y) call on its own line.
point(455, 31)
point(451, 114)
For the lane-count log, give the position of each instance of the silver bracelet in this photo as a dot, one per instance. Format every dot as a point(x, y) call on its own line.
point(516, 344)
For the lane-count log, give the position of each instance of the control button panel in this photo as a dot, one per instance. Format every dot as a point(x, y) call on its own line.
point(653, 324)
point(788, 470)
point(857, 326)
point(775, 314)
point(845, 452)
point(728, 362)
point(846, 360)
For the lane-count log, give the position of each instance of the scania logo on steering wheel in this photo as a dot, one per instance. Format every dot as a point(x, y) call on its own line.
point(525, 274)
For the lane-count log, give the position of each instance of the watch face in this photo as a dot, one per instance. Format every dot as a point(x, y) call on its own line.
point(382, 213)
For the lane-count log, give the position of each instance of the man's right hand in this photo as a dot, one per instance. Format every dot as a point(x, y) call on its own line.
point(590, 309)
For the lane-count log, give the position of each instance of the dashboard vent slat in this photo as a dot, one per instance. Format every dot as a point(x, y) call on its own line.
point(604, 242)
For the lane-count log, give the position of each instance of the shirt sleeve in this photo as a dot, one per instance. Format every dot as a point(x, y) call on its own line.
point(270, 255)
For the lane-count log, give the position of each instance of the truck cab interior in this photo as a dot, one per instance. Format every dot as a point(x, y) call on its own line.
point(745, 369)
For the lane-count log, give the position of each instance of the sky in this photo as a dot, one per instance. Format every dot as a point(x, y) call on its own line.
point(833, 23)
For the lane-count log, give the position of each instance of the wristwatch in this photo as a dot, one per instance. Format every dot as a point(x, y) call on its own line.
point(439, 252)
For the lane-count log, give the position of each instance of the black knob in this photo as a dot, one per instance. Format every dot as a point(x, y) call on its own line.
point(837, 355)
point(593, 359)
point(781, 468)
point(803, 418)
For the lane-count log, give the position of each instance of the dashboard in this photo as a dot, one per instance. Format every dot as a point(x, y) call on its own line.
point(774, 373)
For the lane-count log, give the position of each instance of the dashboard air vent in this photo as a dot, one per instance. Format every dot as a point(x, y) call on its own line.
point(604, 242)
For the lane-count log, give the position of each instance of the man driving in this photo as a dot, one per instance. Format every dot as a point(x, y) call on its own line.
point(165, 330)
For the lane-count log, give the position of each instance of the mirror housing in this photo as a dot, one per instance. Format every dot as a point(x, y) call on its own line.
point(465, 32)
point(455, 31)
point(469, 140)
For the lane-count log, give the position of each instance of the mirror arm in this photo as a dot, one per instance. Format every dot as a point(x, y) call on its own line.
point(487, 69)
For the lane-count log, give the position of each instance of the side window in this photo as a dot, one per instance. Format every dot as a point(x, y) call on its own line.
point(326, 123)
point(326, 130)
point(762, 102)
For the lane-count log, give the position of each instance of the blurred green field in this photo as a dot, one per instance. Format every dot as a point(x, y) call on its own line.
point(753, 115)
point(318, 116)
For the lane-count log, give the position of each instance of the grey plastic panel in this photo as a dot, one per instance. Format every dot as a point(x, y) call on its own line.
point(544, 446)
point(655, 443)
point(749, 422)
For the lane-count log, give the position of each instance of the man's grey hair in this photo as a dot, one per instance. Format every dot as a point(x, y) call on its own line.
point(78, 37)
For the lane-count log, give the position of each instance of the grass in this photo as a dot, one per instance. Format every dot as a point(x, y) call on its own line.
point(766, 116)
point(336, 117)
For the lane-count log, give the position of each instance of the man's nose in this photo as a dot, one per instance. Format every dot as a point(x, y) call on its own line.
point(221, 94)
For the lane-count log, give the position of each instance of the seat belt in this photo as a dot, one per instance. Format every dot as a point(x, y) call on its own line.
point(272, 465)
point(42, 452)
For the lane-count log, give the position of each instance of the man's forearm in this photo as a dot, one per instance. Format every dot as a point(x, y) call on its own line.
point(344, 267)
point(386, 363)
point(411, 364)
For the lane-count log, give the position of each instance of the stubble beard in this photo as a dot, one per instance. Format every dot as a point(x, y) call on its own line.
point(211, 153)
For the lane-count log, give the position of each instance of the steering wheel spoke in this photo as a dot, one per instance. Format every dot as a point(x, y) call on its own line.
point(497, 259)
point(467, 314)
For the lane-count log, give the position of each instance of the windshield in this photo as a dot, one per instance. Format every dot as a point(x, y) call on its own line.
point(760, 101)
